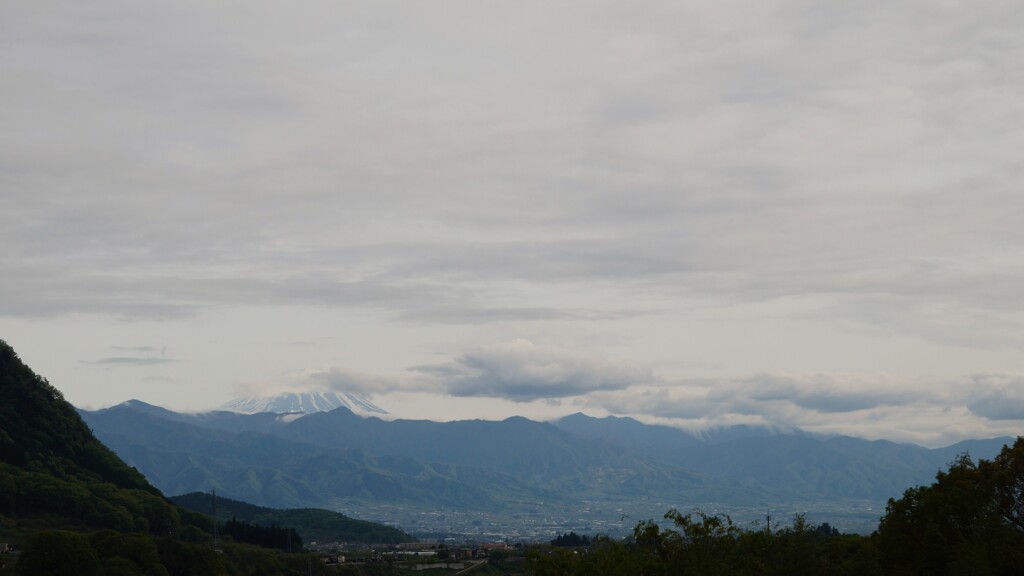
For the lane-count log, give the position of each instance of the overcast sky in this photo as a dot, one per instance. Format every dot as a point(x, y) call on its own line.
point(698, 213)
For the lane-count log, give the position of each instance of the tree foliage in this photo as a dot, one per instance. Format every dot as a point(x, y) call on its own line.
point(709, 545)
point(1007, 477)
point(286, 539)
point(80, 511)
point(52, 466)
point(571, 540)
point(967, 522)
point(42, 431)
point(312, 523)
point(59, 552)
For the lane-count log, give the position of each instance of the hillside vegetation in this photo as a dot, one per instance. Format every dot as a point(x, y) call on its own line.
point(53, 472)
point(313, 524)
point(73, 507)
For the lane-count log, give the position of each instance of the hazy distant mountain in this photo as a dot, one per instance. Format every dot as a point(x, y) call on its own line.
point(537, 453)
point(626, 432)
point(614, 464)
point(304, 402)
point(785, 460)
point(182, 453)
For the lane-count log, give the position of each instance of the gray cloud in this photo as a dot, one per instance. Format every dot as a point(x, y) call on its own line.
point(930, 411)
point(997, 396)
point(718, 161)
point(139, 356)
point(823, 393)
point(334, 378)
point(523, 371)
point(824, 401)
point(133, 361)
point(141, 349)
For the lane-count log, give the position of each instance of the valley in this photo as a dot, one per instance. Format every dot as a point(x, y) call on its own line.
point(614, 519)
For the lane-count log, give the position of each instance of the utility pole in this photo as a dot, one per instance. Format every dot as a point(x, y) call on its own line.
point(214, 519)
point(768, 519)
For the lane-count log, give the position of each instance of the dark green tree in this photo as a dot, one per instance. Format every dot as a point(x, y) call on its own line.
point(59, 553)
point(121, 553)
point(1007, 474)
point(571, 540)
point(964, 523)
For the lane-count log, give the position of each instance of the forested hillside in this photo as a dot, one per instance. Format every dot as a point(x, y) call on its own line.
point(73, 507)
point(53, 471)
point(313, 524)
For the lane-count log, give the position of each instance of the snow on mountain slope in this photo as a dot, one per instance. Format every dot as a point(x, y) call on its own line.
point(305, 402)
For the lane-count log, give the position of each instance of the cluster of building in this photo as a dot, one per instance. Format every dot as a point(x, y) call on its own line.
point(417, 555)
point(464, 551)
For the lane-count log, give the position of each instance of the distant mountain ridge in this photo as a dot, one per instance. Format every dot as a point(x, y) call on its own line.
point(302, 402)
point(244, 457)
point(327, 459)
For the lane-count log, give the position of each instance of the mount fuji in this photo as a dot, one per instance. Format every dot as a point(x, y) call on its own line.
point(304, 402)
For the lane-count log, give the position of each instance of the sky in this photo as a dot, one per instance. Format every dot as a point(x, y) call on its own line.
point(793, 214)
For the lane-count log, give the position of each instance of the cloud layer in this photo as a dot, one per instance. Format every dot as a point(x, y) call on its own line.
point(554, 380)
point(749, 153)
point(714, 190)
point(523, 371)
point(930, 411)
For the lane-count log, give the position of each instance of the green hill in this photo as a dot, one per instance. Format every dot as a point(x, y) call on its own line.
point(55, 473)
point(74, 507)
point(313, 524)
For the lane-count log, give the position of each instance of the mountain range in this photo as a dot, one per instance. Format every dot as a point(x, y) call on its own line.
point(341, 460)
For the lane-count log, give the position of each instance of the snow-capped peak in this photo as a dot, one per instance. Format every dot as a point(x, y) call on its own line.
point(305, 402)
